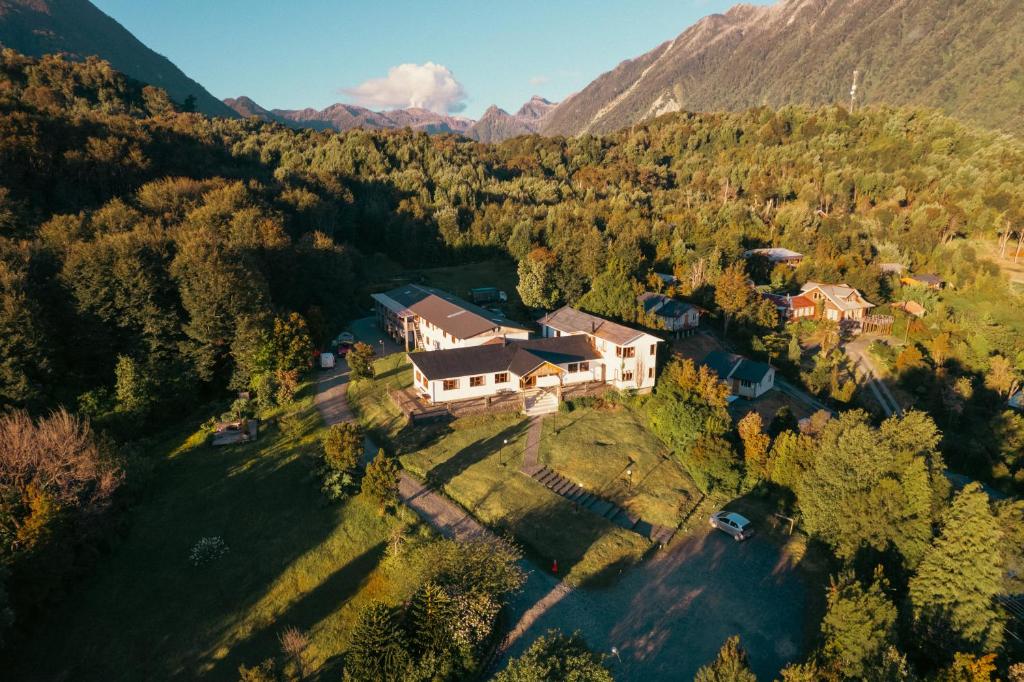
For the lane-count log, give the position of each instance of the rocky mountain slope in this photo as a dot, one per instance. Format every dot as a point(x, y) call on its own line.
point(80, 29)
point(960, 56)
point(497, 124)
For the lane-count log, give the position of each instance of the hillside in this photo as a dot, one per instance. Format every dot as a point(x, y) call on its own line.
point(957, 56)
point(77, 27)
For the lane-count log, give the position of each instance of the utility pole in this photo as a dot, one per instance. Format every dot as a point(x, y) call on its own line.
point(853, 91)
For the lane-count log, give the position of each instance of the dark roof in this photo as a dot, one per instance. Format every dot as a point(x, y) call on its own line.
point(516, 356)
point(926, 278)
point(751, 370)
point(670, 307)
point(729, 366)
point(458, 317)
point(720, 362)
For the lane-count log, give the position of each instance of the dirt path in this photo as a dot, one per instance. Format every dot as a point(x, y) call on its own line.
point(857, 351)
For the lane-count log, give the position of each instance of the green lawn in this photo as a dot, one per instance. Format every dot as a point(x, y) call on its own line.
point(459, 279)
point(145, 612)
point(596, 447)
point(370, 401)
point(471, 465)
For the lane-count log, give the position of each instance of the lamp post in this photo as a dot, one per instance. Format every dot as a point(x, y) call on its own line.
point(501, 452)
point(629, 477)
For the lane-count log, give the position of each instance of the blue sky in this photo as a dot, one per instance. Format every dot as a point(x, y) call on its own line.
point(315, 52)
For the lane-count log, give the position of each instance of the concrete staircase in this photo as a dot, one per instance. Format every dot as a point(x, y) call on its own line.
point(540, 401)
point(606, 509)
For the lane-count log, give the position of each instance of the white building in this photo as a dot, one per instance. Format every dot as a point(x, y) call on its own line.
point(628, 356)
point(510, 366)
point(840, 302)
point(431, 319)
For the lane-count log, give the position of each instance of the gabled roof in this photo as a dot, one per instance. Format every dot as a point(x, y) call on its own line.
point(729, 366)
point(460, 318)
point(519, 357)
point(843, 296)
point(662, 305)
point(774, 254)
point(790, 302)
point(571, 321)
point(925, 278)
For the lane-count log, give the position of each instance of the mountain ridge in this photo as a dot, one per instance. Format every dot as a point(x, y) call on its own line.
point(80, 29)
point(958, 57)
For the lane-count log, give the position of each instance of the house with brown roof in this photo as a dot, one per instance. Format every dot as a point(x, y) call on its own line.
point(628, 356)
point(839, 302)
point(924, 279)
point(426, 318)
point(775, 255)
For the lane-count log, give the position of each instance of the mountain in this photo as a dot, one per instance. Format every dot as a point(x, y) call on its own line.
point(959, 56)
point(348, 116)
point(78, 28)
point(497, 124)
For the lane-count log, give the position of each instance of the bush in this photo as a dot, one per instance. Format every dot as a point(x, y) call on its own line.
point(343, 446)
point(336, 485)
point(207, 549)
point(360, 361)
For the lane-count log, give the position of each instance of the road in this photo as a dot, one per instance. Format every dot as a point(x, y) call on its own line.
point(667, 616)
point(857, 351)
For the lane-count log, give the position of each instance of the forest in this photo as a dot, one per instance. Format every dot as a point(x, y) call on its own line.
point(153, 258)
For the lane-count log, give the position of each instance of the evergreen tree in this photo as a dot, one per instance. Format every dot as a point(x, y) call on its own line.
point(381, 479)
point(360, 361)
point(555, 656)
point(859, 626)
point(378, 651)
point(133, 389)
point(955, 586)
point(730, 665)
point(733, 293)
point(343, 446)
point(430, 614)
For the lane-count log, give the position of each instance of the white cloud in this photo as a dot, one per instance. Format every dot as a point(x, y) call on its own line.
point(539, 80)
point(427, 86)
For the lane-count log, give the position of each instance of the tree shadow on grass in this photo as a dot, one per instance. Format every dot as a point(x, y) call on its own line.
point(475, 452)
point(304, 613)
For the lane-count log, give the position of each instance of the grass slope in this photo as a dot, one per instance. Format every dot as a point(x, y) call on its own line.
point(147, 613)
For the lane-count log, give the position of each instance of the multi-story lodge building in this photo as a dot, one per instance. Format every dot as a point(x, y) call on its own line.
point(426, 318)
point(577, 350)
point(840, 302)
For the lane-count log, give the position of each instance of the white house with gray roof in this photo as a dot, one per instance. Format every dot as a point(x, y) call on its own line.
point(629, 356)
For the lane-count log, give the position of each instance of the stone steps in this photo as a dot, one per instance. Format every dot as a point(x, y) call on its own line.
point(584, 499)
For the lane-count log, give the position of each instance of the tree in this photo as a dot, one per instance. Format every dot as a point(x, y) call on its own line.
point(954, 589)
point(430, 615)
point(133, 389)
point(791, 455)
point(360, 361)
point(794, 352)
point(612, 294)
point(252, 351)
point(381, 480)
point(536, 279)
point(556, 656)
point(264, 672)
point(1002, 377)
point(860, 624)
point(293, 347)
point(909, 359)
point(343, 446)
point(378, 650)
point(730, 665)
point(755, 444)
point(854, 501)
point(732, 293)
point(969, 668)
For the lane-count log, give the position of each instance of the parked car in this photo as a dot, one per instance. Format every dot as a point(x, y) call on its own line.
point(346, 337)
point(343, 349)
point(739, 527)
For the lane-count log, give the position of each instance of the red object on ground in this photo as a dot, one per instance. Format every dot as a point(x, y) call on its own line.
point(554, 566)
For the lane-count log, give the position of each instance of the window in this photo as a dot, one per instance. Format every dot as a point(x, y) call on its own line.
point(501, 378)
point(476, 381)
point(654, 348)
point(627, 376)
point(419, 377)
point(584, 366)
point(629, 352)
point(746, 384)
point(451, 384)
point(650, 372)
point(574, 367)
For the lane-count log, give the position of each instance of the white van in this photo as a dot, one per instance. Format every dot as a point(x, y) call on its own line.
point(326, 360)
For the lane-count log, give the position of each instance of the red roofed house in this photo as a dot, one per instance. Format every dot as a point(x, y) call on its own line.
point(840, 302)
point(792, 307)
